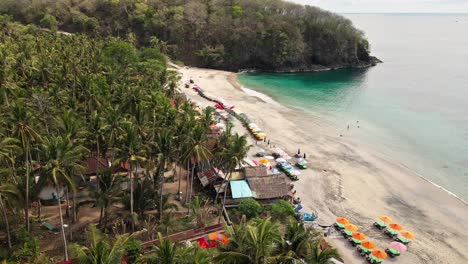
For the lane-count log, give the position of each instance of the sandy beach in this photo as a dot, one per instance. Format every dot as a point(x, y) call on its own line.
point(346, 178)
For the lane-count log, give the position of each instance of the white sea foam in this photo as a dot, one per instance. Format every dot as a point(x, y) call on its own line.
point(259, 95)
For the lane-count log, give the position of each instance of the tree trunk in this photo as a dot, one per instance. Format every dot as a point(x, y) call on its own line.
point(178, 189)
point(74, 213)
point(131, 195)
point(191, 188)
point(5, 217)
point(26, 207)
point(62, 228)
point(101, 214)
point(39, 209)
point(67, 209)
point(224, 198)
point(161, 185)
point(187, 183)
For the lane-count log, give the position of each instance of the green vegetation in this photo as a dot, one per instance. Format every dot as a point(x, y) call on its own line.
point(236, 34)
point(65, 98)
point(249, 207)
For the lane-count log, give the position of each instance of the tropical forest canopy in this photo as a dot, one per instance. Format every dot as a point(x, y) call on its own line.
point(225, 34)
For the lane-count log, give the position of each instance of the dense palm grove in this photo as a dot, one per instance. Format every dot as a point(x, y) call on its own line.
point(67, 97)
point(234, 34)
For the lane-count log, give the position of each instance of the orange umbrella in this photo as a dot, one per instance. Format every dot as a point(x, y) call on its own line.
point(385, 218)
point(213, 236)
point(395, 227)
point(351, 227)
point(342, 220)
point(407, 235)
point(380, 254)
point(368, 244)
point(359, 236)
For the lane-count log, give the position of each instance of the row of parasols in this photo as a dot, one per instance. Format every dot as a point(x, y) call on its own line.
point(221, 104)
point(367, 248)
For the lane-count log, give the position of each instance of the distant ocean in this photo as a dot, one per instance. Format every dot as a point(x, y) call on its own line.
point(412, 108)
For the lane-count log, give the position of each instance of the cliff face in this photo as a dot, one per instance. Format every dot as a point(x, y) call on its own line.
point(232, 35)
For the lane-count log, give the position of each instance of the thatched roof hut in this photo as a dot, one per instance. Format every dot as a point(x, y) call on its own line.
point(269, 187)
point(255, 171)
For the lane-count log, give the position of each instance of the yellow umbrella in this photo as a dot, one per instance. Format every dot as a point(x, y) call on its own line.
point(263, 161)
point(351, 227)
point(385, 218)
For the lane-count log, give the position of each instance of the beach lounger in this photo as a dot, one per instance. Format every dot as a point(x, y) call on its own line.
point(363, 251)
point(402, 240)
point(373, 260)
point(392, 252)
point(380, 225)
point(390, 232)
point(354, 242)
point(346, 233)
point(338, 226)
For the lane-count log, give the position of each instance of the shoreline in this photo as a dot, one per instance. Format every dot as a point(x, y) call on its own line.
point(267, 99)
point(346, 179)
point(317, 68)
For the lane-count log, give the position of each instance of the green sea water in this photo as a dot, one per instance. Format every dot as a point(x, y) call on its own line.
point(413, 107)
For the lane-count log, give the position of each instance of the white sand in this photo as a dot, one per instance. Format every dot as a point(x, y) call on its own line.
point(347, 179)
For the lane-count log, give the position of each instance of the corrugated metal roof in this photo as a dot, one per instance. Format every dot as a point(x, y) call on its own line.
point(240, 189)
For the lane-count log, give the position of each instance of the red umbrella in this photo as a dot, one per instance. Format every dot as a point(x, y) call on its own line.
point(202, 242)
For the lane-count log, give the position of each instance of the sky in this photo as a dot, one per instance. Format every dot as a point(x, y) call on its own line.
point(389, 6)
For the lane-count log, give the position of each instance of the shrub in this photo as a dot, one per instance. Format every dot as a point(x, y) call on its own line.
point(249, 207)
point(133, 251)
point(281, 210)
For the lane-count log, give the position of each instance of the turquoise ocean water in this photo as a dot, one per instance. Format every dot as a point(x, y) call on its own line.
point(413, 107)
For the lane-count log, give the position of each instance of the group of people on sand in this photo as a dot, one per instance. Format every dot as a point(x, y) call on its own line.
point(347, 128)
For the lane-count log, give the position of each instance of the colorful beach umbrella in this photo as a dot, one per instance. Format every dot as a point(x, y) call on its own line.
point(395, 226)
point(407, 234)
point(368, 244)
point(342, 220)
point(380, 254)
point(385, 218)
point(351, 227)
point(398, 246)
point(359, 236)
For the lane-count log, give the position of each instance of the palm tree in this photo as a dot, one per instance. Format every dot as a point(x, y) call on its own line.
point(108, 192)
point(201, 211)
point(163, 147)
point(296, 241)
point(143, 197)
point(62, 159)
point(20, 119)
point(166, 252)
point(101, 249)
point(7, 147)
point(8, 195)
point(250, 243)
point(197, 151)
point(318, 255)
point(233, 157)
point(132, 154)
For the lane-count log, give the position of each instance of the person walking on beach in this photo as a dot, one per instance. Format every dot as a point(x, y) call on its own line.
point(348, 126)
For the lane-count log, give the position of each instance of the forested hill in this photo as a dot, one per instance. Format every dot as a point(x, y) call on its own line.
point(224, 34)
